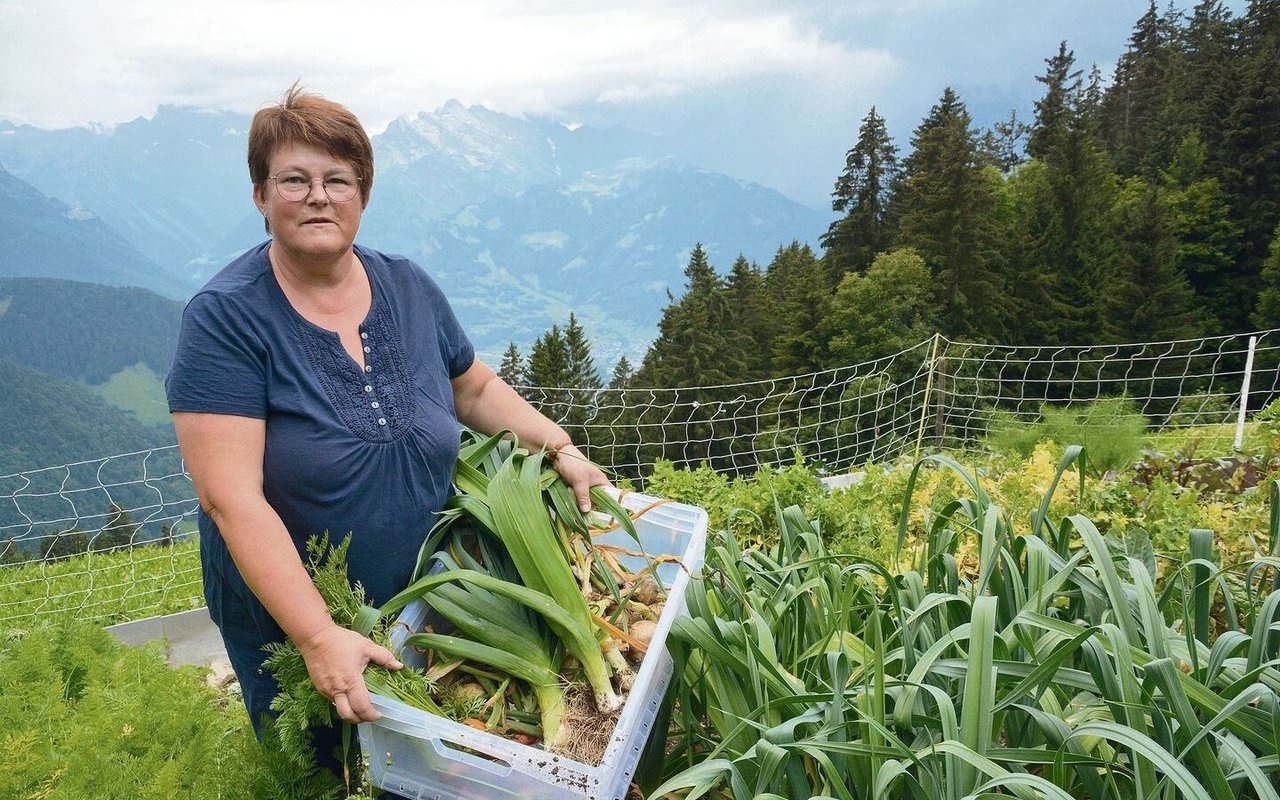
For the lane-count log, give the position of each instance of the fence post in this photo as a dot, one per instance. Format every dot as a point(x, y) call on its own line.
point(928, 388)
point(1244, 393)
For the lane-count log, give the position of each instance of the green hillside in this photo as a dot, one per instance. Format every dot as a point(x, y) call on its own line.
point(85, 331)
point(47, 421)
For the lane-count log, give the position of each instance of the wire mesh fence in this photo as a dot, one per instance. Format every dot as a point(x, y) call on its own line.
point(112, 538)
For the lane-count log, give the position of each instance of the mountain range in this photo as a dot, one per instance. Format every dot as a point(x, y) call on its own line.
point(521, 220)
point(105, 232)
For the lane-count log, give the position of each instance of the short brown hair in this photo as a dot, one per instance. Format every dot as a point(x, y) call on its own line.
point(305, 118)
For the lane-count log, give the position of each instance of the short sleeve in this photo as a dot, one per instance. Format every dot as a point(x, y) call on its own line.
point(220, 364)
point(456, 349)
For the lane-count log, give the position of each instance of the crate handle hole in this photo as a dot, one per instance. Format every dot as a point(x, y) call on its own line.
point(473, 757)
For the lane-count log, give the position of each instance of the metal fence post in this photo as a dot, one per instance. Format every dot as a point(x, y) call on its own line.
point(1244, 393)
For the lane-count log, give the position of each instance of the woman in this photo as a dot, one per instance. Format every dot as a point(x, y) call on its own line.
point(318, 386)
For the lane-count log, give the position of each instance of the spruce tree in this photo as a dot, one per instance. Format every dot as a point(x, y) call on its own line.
point(948, 214)
point(751, 321)
point(549, 361)
point(512, 369)
point(1136, 102)
point(862, 194)
point(1251, 147)
point(799, 298)
point(119, 530)
point(1267, 313)
point(1061, 235)
point(1208, 239)
point(1056, 110)
point(689, 350)
point(622, 374)
point(1146, 298)
point(581, 366)
point(1005, 144)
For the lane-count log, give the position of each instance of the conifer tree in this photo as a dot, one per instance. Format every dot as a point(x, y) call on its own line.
point(1267, 313)
point(581, 366)
point(549, 360)
point(862, 194)
point(1146, 298)
point(512, 369)
point(622, 374)
point(1060, 211)
point(1005, 145)
point(1139, 94)
point(119, 530)
point(751, 321)
point(1206, 86)
point(1056, 111)
point(799, 297)
point(947, 206)
point(689, 350)
point(1208, 239)
point(1251, 147)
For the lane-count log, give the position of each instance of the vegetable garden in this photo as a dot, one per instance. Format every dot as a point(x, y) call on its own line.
point(1018, 617)
point(1018, 626)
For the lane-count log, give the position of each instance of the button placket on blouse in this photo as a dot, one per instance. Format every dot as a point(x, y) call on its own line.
point(368, 387)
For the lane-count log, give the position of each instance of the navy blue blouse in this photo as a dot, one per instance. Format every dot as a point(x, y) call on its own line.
point(368, 452)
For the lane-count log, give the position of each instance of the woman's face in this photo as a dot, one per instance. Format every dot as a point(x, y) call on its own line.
point(313, 227)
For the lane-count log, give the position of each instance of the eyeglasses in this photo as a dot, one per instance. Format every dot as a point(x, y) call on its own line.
point(294, 187)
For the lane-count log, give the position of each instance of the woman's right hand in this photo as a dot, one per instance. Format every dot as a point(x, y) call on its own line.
point(336, 658)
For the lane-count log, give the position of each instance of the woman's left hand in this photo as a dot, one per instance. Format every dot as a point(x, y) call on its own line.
point(579, 473)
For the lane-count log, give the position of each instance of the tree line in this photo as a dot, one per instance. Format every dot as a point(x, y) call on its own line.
point(1145, 209)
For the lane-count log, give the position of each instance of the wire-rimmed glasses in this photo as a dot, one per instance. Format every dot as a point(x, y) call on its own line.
point(294, 187)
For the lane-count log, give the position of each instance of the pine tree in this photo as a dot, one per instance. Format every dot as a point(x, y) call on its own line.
point(947, 206)
point(549, 360)
point(751, 320)
point(119, 530)
point(1251, 147)
point(799, 298)
point(512, 370)
point(1267, 313)
point(622, 374)
point(581, 366)
point(862, 194)
point(1146, 298)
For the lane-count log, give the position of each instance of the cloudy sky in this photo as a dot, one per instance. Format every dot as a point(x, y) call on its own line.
point(765, 90)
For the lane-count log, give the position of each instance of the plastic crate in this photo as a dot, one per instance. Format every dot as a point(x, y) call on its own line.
point(425, 757)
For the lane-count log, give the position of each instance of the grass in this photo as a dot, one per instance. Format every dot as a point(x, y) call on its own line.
point(105, 588)
point(139, 391)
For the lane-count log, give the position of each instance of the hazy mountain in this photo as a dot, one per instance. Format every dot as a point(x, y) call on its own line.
point(608, 247)
point(521, 219)
point(172, 185)
point(43, 237)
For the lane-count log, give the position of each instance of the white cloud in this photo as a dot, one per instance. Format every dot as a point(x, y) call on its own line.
point(68, 61)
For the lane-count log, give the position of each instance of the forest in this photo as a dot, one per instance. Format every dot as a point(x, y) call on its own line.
point(1143, 207)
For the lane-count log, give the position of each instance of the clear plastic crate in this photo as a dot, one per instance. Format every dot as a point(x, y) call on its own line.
point(425, 757)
